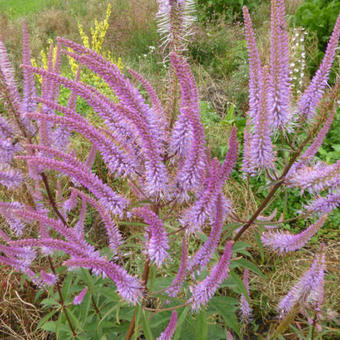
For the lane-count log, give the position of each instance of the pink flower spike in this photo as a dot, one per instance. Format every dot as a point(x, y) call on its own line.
point(48, 278)
point(245, 308)
point(79, 298)
point(261, 148)
point(279, 85)
point(286, 242)
point(309, 290)
point(181, 274)
point(324, 205)
point(156, 236)
point(204, 290)
point(255, 70)
point(170, 330)
point(310, 99)
point(202, 257)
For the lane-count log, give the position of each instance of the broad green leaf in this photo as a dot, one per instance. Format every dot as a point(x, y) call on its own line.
point(240, 247)
point(84, 309)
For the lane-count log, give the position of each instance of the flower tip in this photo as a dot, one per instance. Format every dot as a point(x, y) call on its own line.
point(79, 298)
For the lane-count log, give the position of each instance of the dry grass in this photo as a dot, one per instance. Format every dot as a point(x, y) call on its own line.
point(19, 314)
point(281, 272)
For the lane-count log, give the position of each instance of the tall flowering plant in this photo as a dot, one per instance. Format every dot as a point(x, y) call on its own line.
point(169, 185)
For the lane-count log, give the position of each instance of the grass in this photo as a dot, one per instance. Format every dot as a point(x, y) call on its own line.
point(20, 8)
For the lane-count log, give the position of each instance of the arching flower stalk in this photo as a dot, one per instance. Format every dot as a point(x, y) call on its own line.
point(286, 242)
point(308, 292)
point(204, 290)
point(156, 239)
point(311, 97)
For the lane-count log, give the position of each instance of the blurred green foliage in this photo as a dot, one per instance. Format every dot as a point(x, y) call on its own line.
point(19, 8)
point(211, 10)
point(318, 17)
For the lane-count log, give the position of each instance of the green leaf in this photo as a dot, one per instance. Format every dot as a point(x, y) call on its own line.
point(66, 286)
point(180, 322)
point(240, 247)
point(45, 318)
point(146, 326)
point(201, 326)
point(246, 264)
point(108, 313)
point(49, 326)
point(84, 309)
point(138, 314)
point(226, 308)
point(241, 288)
point(260, 245)
point(87, 278)
point(74, 320)
point(49, 302)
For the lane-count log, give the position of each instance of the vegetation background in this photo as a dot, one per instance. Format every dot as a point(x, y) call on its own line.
point(218, 55)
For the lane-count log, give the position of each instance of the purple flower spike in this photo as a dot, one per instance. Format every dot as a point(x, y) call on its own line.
point(286, 242)
point(314, 147)
point(48, 278)
point(170, 330)
point(156, 237)
point(106, 196)
point(309, 290)
point(325, 205)
point(116, 160)
point(204, 207)
point(10, 178)
point(67, 247)
point(262, 148)
point(245, 308)
point(310, 99)
point(318, 178)
point(247, 162)
point(255, 69)
point(29, 92)
point(279, 67)
point(203, 256)
point(191, 172)
point(181, 274)
point(80, 297)
point(115, 237)
point(128, 287)
point(204, 290)
point(6, 210)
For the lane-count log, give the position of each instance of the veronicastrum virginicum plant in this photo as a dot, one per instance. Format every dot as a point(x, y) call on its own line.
point(170, 190)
